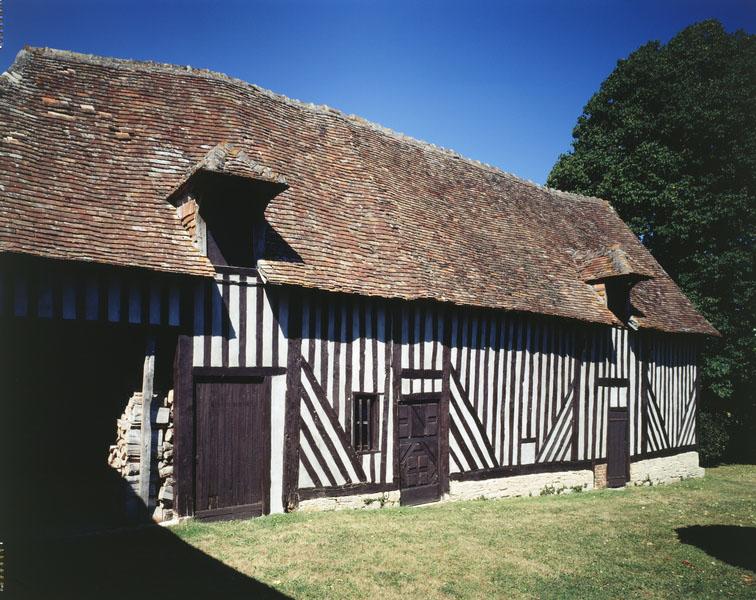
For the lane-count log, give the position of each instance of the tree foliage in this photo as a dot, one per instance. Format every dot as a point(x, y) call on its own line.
point(670, 140)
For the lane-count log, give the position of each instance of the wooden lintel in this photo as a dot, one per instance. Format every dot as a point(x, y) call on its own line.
point(422, 374)
point(612, 382)
point(231, 372)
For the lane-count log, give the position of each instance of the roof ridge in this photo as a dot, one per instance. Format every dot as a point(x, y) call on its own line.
point(312, 107)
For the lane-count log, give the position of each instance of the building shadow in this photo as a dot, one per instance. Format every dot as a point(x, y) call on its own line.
point(70, 525)
point(148, 562)
point(98, 541)
point(278, 248)
point(731, 544)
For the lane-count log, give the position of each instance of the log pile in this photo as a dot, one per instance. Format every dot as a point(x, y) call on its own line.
point(164, 458)
point(123, 456)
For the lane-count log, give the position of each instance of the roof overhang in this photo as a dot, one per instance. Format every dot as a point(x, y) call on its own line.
point(232, 169)
point(609, 264)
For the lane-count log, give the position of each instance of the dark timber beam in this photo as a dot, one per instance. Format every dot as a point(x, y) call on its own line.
point(293, 399)
point(183, 399)
point(446, 368)
point(645, 389)
point(581, 347)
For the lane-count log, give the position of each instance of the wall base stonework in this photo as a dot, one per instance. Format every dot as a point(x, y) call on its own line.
point(535, 484)
point(666, 469)
point(649, 472)
point(379, 500)
point(558, 482)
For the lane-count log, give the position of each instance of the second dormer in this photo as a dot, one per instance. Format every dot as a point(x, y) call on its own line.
point(612, 274)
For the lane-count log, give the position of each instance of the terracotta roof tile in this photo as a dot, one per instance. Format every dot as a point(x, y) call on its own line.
point(608, 262)
point(368, 211)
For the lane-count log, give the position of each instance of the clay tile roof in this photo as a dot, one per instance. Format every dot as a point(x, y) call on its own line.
point(607, 263)
point(228, 160)
point(225, 159)
point(91, 148)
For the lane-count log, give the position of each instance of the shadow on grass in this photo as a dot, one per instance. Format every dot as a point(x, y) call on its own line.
point(731, 544)
point(90, 536)
point(149, 562)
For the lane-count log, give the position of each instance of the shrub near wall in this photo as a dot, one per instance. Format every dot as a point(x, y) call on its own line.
point(714, 437)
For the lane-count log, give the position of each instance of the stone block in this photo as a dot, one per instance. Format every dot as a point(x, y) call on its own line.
point(666, 469)
point(358, 501)
point(163, 415)
point(521, 485)
point(166, 493)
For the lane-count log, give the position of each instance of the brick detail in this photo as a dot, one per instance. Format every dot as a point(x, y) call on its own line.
point(187, 212)
point(601, 291)
point(599, 476)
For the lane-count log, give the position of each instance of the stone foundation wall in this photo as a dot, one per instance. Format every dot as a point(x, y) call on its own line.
point(535, 484)
point(123, 456)
point(362, 501)
point(559, 482)
point(650, 472)
point(667, 469)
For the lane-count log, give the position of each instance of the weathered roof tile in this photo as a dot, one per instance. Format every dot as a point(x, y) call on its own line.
point(368, 211)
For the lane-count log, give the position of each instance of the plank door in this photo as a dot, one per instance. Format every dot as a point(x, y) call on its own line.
point(617, 448)
point(232, 476)
point(419, 452)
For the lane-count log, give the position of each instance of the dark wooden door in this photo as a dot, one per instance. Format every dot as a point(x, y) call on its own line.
point(617, 456)
point(232, 477)
point(419, 452)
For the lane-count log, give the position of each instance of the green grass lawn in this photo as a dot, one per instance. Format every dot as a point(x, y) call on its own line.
point(695, 539)
point(608, 544)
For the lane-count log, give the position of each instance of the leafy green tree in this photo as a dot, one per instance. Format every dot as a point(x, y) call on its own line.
point(670, 140)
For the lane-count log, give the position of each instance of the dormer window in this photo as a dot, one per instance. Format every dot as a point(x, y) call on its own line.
point(612, 274)
point(222, 201)
point(618, 297)
point(231, 227)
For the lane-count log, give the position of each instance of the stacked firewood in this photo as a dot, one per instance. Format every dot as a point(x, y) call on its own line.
point(164, 459)
point(124, 454)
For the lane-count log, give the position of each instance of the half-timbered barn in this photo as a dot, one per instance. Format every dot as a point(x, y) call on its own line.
point(246, 304)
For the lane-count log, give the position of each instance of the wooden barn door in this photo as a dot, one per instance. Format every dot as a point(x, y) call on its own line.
point(419, 451)
point(617, 455)
point(232, 476)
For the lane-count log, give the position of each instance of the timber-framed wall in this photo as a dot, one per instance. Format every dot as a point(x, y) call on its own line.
point(519, 394)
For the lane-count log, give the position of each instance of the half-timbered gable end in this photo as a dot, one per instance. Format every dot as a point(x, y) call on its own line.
point(298, 308)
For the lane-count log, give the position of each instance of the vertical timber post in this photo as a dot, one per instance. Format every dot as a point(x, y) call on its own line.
point(645, 384)
point(581, 346)
point(697, 387)
point(446, 315)
point(145, 452)
point(293, 399)
point(396, 366)
point(183, 407)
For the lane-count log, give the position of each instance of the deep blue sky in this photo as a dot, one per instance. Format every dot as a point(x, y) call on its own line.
point(501, 82)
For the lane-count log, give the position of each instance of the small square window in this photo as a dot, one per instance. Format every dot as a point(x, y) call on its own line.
point(365, 422)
